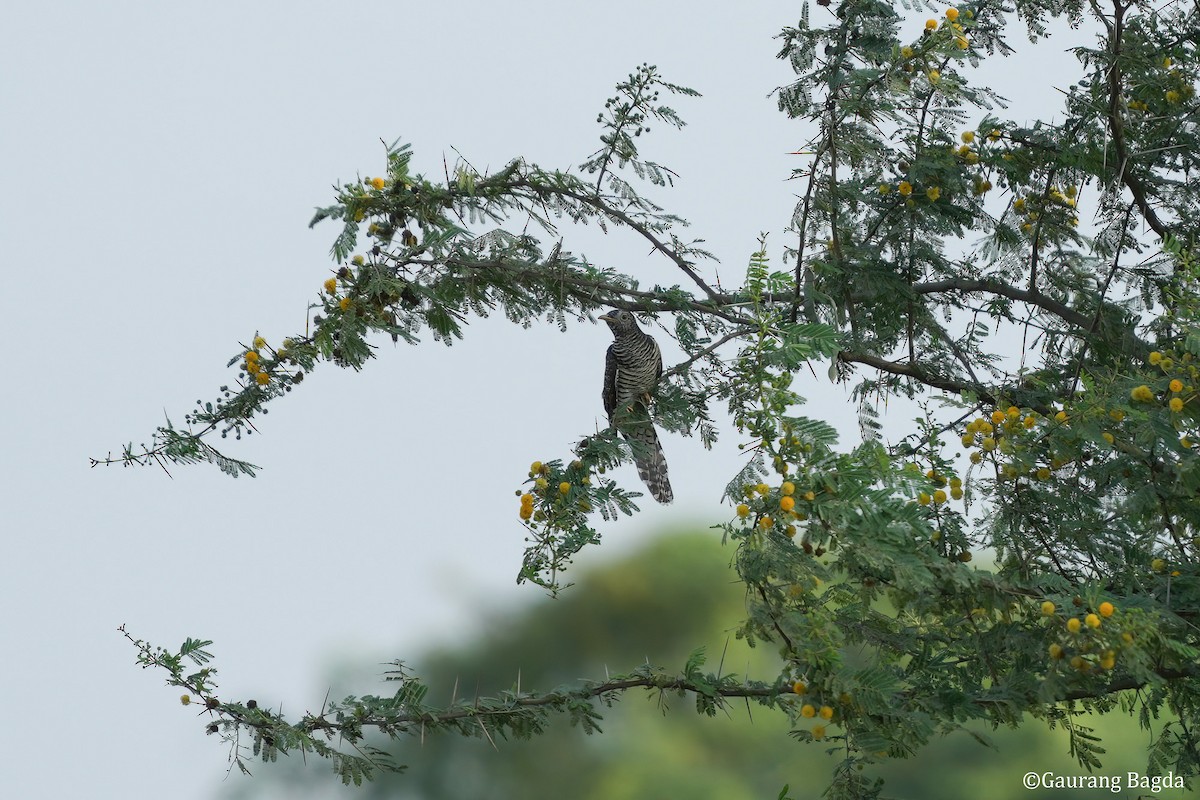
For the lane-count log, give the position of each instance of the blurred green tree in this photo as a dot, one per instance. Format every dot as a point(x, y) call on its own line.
point(656, 604)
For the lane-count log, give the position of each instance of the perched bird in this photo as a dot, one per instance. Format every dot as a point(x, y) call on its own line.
point(631, 371)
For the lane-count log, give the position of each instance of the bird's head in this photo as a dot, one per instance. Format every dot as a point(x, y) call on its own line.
point(620, 321)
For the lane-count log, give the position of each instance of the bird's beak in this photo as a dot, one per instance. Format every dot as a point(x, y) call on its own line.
point(609, 317)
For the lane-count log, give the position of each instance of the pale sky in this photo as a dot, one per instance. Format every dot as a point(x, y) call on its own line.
point(160, 163)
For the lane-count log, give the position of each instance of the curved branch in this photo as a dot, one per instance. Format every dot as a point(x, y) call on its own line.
point(1032, 297)
point(596, 202)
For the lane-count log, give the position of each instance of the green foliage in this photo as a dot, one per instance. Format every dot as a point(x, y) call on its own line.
point(1078, 445)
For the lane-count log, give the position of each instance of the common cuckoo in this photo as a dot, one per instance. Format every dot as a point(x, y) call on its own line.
point(631, 371)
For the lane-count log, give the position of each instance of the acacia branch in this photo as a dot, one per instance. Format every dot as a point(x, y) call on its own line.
point(598, 203)
point(1032, 297)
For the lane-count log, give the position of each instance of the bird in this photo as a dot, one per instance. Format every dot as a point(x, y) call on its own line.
point(632, 368)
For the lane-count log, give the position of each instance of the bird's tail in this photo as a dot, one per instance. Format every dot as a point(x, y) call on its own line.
point(650, 461)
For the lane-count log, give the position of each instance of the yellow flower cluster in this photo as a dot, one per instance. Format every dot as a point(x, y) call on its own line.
point(774, 508)
point(552, 496)
point(1056, 206)
point(939, 495)
point(1004, 432)
point(252, 364)
point(1176, 387)
point(1093, 648)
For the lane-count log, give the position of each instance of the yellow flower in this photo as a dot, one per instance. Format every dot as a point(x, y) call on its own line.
point(933, 193)
point(825, 713)
point(905, 188)
point(535, 467)
point(961, 42)
point(330, 285)
point(1047, 609)
point(807, 710)
point(994, 136)
point(378, 183)
point(1029, 421)
point(1185, 442)
point(1043, 474)
point(934, 76)
point(1108, 660)
point(787, 488)
point(253, 367)
point(1176, 404)
point(939, 496)
point(527, 499)
point(1092, 621)
point(1172, 96)
point(998, 416)
point(988, 443)
point(1158, 565)
point(262, 379)
point(564, 487)
point(1116, 415)
point(956, 492)
point(1108, 437)
point(1056, 651)
point(1019, 204)
point(185, 699)
point(1073, 625)
point(1061, 416)
point(952, 14)
point(1106, 609)
point(1142, 393)
point(345, 303)
point(541, 483)
point(1155, 357)
point(357, 261)
point(906, 52)
point(799, 687)
point(976, 458)
point(810, 496)
point(743, 510)
point(765, 523)
point(968, 440)
point(762, 489)
point(1176, 385)
point(790, 530)
point(787, 503)
point(931, 24)
point(885, 188)
point(250, 356)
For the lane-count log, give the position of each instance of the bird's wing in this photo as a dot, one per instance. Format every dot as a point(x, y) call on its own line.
point(610, 382)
